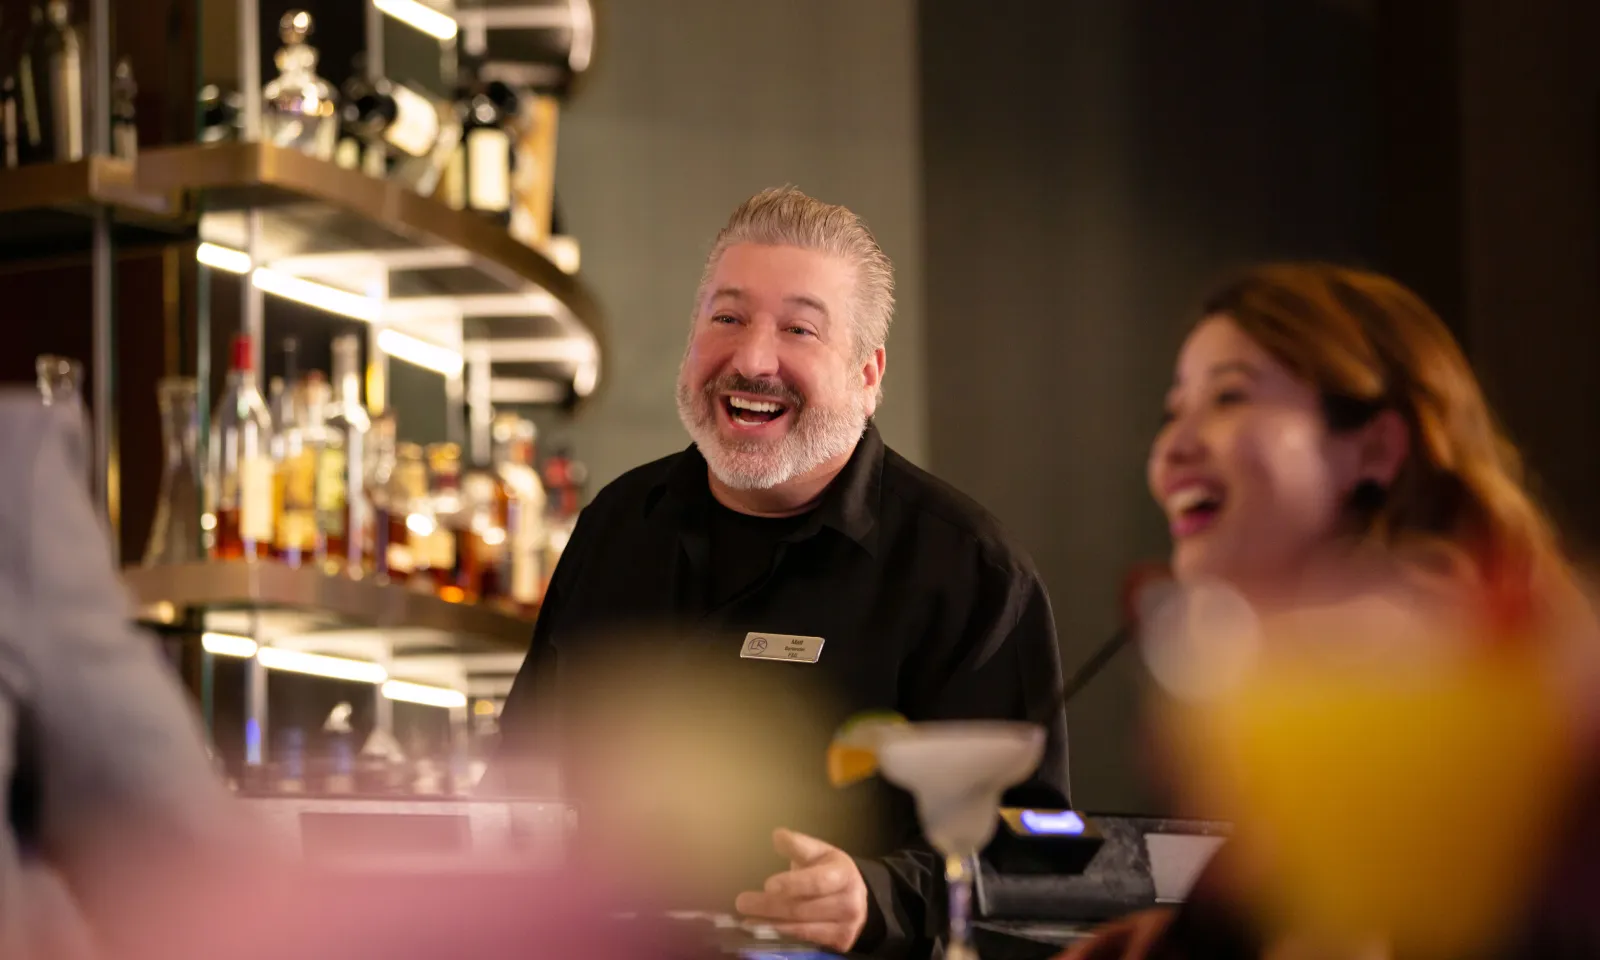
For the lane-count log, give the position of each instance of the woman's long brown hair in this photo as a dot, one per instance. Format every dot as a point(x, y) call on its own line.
point(1369, 344)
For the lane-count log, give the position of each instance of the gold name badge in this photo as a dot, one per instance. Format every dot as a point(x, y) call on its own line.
point(778, 646)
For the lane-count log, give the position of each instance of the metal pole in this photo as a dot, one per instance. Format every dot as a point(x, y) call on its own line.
point(251, 305)
point(375, 51)
point(102, 265)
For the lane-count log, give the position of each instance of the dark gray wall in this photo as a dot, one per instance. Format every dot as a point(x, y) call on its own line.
point(1530, 134)
point(1089, 168)
point(693, 106)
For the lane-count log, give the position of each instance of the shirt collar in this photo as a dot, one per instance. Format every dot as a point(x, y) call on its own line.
point(849, 505)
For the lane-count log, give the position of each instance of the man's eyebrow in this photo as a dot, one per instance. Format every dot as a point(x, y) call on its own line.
point(801, 300)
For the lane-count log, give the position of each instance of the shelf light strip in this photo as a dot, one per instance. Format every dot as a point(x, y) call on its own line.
point(396, 344)
point(333, 668)
point(426, 695)
point(312, 294)
point(420, 352)
point(421, 16)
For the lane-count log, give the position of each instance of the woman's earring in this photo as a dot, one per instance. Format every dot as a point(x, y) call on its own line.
point(1368, 496)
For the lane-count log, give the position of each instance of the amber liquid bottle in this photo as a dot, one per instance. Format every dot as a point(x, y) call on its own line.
point(450, 565)
point(408, 498)
point(239, 468)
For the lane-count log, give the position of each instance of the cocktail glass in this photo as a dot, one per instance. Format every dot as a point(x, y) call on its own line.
point(956, 770)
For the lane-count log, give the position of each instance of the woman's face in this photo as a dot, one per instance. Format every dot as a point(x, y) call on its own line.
point(1250, 479)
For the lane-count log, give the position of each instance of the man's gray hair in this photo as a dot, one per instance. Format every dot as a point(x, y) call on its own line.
point(784, 216)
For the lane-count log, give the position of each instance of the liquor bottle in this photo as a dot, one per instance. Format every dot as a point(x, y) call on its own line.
point(239, 467)
point(388, 119)
point(295, 468)
point(523, 561)
point(60, 379)
point(378, 486)
point(411, 519)
point(488, 111)
point(124, 129)
point(316, 396)
point(345, 516)
point(221, 114)
point(10, 122)
point(299, 108)
point(441, 552)
point(481, 538)
point(52, 87)
point(175, 534)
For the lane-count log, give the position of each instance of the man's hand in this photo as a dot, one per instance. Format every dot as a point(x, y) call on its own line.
point(821, 898)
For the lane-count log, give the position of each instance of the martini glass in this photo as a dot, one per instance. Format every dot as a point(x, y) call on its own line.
point(956, 771)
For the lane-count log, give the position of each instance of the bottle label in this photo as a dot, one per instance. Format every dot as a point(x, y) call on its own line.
point(438, 549)
point(489, 169)
point(416, 123)
point(331, 489)
point(255, 499)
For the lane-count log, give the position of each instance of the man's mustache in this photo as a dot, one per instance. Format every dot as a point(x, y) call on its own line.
point(764, 387)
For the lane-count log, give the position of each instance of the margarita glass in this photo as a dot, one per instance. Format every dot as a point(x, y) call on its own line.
point(956, 771)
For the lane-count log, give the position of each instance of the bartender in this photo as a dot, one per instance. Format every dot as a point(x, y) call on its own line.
point(791, 544)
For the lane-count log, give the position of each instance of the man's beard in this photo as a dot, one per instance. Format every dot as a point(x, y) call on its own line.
point(816, 434)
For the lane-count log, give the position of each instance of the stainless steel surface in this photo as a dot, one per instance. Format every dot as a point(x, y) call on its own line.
point(519, 833)
point(250, 66)
point(163, 593)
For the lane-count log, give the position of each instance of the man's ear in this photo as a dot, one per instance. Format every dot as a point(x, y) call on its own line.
point(872, 377)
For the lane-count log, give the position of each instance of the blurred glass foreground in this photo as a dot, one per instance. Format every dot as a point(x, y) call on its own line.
point(1394, 773)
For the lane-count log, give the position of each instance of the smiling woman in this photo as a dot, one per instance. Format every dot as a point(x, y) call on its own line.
point(1315, 408)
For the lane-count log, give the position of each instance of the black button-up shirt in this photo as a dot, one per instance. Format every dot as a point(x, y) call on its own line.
point(923, 605)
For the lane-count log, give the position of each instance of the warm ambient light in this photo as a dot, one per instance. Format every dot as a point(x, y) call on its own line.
point(420, 352)
point(227, 645)
point(424, 694)
point(421, 16)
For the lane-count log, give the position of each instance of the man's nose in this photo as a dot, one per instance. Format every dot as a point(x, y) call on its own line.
point(757, 352)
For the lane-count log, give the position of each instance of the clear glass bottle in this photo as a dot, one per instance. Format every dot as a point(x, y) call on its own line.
point(239, 466)
point(175, 535)
point(321, 484)
point(52, 87)
point(525, 518)
point(60, 379)
point(411, 519)
point(345, 515)
point(299, 110)
point(379, 486)
point(220, 114)
point(124, 126)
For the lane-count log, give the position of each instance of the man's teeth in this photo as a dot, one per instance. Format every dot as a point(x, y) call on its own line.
point(754, 406)
point(1190, 498)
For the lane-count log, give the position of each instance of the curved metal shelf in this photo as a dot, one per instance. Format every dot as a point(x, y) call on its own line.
point(47, 209)
point(164, 593)
point(445, 274)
